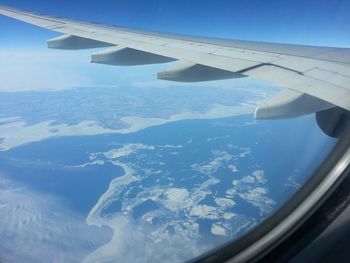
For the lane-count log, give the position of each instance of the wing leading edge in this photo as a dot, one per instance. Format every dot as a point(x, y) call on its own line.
point(315, 78)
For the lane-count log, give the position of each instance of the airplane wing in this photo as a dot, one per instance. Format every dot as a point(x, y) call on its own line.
point(314, 78)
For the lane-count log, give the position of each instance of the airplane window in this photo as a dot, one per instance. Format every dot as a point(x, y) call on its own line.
point(108, 164)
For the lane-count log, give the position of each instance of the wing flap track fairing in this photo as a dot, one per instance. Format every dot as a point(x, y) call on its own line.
point(71, 42)
point(121, 56)
point(189, 72)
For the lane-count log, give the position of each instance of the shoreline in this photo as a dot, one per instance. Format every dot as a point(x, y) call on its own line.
point(18, 133)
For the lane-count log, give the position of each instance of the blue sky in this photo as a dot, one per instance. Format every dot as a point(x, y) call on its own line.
point(318, 22)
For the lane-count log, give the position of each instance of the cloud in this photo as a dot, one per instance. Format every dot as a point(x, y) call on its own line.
point(133, 242)
point(35, 227)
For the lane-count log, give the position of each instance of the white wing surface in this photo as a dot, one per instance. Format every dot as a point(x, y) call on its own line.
point(314, 78)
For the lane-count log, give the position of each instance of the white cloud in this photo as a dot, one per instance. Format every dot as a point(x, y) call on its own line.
point(132, 242)
point(35, 227)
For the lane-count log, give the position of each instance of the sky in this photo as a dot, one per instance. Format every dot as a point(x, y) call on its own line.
point(321, 22)
point(27, 64)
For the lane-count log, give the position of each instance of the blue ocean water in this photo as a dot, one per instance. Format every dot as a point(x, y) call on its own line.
point(282, 149)
point(185, 186)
